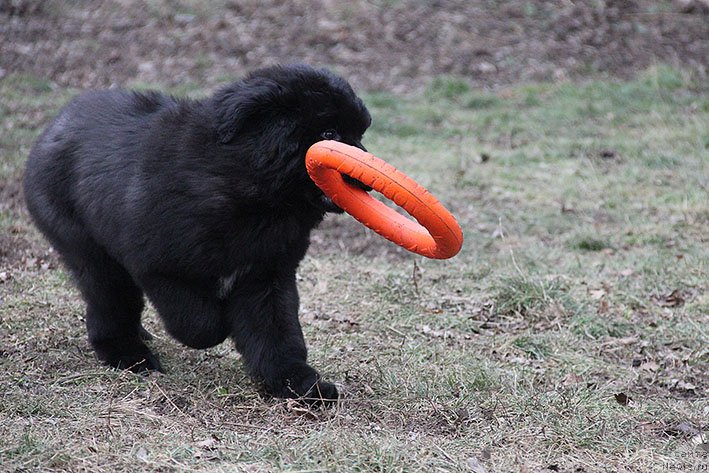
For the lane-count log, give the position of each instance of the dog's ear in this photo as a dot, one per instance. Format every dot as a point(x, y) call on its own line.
point(242, 103)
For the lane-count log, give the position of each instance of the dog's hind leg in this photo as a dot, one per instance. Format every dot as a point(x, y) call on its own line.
point(267, 332)
point(113, 301)
point(114, 304)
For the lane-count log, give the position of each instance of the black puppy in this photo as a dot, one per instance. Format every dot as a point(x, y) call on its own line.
point(204, 206)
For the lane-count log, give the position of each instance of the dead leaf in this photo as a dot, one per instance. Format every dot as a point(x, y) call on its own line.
point(649, 366)
point(609, 154)
point(301, 410)
point(444, 334)
point(680, 385)
point(461, 415)
point(623, 399)
point(627, 272)
point(701, 440)
point(674, 299)
point(571, 379)
point(427, 330)
point(603, 306)
point(207, 444)
point(652, 426)
point(475, 465)
point(683, 429)
point(567, 210)
point(688, 429)
point(142, 454)
point(597, 294)
point(627, 340)
point(621, 341)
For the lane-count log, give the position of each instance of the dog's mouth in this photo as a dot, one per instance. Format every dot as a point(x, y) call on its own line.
point(327, 203)
point(330, 206)
point(354, 182)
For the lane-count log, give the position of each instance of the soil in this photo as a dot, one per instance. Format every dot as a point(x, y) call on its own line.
point(394, 45)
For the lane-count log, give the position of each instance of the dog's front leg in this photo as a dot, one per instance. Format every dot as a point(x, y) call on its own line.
point(191, 314)
point(267, 332)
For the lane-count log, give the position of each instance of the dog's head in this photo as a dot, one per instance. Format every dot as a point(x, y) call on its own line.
point(275, 114)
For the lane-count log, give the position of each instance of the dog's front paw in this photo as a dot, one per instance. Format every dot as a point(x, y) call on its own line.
point(304, 384)
point(317, 392)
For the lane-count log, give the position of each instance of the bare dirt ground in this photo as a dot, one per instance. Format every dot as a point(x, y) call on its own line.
point(379, 45)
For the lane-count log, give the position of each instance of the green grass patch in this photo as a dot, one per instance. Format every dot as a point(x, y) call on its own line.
point(524, 295)
point(591, 244)
point(532, 347)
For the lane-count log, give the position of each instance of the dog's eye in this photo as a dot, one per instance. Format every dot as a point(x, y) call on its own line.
point(330, 134)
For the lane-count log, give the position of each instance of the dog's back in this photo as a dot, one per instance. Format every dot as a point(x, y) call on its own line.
point(89, 139)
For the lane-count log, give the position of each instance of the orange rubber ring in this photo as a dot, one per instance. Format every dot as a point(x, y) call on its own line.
point(437, 233)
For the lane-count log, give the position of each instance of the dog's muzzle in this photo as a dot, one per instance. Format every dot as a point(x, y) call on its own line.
point(327, 203)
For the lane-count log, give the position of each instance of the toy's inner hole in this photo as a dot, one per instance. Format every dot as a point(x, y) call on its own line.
point(376, 194)
point(354, 182)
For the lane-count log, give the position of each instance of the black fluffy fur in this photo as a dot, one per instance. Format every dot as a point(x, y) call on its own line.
point(204, 206)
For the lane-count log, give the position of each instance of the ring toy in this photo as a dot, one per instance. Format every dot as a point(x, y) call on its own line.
point(437, 233)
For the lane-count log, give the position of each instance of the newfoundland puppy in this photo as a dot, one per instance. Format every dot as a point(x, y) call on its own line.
point(203, 206)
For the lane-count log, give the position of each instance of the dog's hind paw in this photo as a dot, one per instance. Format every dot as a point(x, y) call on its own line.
point(131, 355)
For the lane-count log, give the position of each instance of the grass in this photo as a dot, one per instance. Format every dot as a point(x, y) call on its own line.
point(583, 276)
